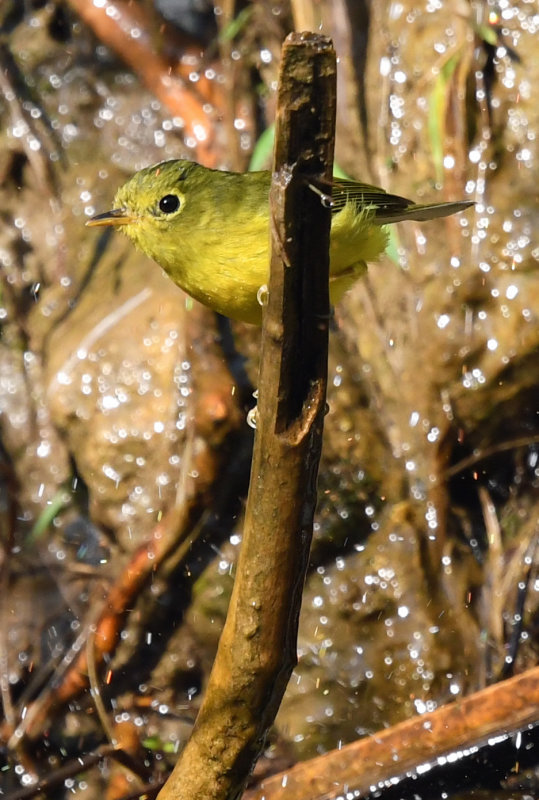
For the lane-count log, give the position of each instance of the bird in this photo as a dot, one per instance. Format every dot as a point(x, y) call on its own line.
point(209, 230)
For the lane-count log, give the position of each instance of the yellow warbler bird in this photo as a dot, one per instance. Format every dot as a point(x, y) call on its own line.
point(209, 230)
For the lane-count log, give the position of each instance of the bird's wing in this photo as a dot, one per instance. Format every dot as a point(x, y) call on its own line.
point(388, 207)
point(363, 194)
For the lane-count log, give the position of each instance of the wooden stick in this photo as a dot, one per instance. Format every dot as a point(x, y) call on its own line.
point(257, 649)
point(502, 708)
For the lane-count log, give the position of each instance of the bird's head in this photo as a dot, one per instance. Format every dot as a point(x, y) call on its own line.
point(152, 202)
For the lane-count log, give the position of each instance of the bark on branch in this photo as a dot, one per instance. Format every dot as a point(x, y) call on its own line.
point(257, 650)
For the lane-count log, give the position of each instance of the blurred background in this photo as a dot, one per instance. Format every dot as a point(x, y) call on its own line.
point(124, 448)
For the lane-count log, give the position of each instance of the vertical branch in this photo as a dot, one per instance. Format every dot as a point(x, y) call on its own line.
point(300, 221)
point(257, 649)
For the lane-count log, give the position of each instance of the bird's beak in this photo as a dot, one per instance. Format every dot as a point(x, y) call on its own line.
point(116, 217)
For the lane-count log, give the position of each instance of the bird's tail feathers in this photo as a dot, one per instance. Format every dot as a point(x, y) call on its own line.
point(384, 216)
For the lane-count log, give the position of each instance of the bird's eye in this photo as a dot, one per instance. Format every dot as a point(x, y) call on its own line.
point(169, 204)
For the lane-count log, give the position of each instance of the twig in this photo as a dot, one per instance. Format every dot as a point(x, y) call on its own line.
point(502, 708)
point(59, 776)
point(171, 538)
point(518, 616)
point(117, 25)
point(257, 649)
point(482, 454)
